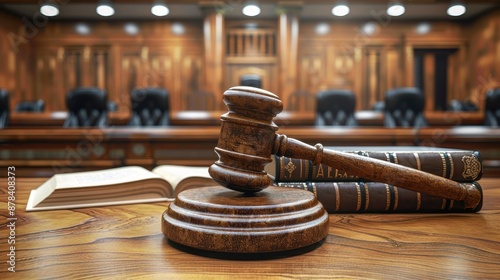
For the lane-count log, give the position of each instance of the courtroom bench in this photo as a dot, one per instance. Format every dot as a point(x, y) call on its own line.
point(212, 118)
point(43, 152)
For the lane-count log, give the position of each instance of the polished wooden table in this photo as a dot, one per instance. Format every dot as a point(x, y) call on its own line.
point(126, 242)
point(212, 118)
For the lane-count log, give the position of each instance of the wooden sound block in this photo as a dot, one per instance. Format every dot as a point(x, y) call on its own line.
point(221, 220)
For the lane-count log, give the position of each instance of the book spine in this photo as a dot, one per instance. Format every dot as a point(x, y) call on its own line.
point(375, 197)
point(460, 166)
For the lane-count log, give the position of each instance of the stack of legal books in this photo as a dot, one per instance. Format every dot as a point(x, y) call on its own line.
point(340, 192)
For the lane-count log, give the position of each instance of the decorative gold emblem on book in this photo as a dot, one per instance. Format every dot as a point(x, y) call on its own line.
point(472, 166)
point(290, 167)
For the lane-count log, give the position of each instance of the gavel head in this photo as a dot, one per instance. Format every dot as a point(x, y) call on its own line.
point(246, 139)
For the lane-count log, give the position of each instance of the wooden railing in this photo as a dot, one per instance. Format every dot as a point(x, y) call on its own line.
point(251, 42)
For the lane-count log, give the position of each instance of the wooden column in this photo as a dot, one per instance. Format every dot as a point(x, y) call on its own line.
point(288, 42)
point(213, 32)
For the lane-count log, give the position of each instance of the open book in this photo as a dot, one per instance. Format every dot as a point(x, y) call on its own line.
point(122, 185)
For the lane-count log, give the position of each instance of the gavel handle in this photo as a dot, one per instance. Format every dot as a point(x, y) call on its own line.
point(379, 171)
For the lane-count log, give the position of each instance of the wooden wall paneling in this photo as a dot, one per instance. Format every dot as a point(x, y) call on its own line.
point(394, 70)
point(358, 75)
point(408, 61)
point(13, 56)
point(462, 73)
point(158, 69)
point(85, 72)
point(484, 56)
point(340, 68)
point(115, 93)
point(383, 75)
point(288, 40)
point(193, 83)
point(100, 65)
point(129, 67)
point(214, 42)
point(429, 80)
point(311, 72)
point(372, 78)
point(49, 77)
point(453, 70)
point(73, 59)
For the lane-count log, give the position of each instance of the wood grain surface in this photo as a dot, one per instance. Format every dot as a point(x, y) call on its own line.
point(123, 242)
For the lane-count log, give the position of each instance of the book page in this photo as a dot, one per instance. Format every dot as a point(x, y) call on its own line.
point(131, 184)
point(175, 174)
point(39, 194)
point(112, 176)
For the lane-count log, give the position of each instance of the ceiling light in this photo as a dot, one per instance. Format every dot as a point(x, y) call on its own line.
point(340, 9)
point(131, 28)
point(396, 9)
point(369, 28)
point(322, 29)
point(82, 29)
point(251, 9)
point(456, 9)
point(50, 9)
point(160, 9)
point(178, 28)
point(423, 28)
point(105, 8)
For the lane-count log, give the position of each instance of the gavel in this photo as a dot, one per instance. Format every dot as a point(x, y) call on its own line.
point(248, 139)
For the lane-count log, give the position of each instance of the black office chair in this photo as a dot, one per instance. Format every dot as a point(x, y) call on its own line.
point(251, 80)
point(4, 108)
point(150, 107)
point(404, 107)
point(492, 108)
point(31, 106)
point(112, 106)
point(462, 106)
point(335, 108)
point(87, 107)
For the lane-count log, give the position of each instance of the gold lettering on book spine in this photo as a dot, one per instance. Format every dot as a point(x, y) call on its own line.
point(472, 166)
point(358, 190)
point(443, 162)
point(396, 199)
point(443, 204)
point(419, 201)
point(417, 158)
point(337, 197)
point(388, 195)
point(367, 194)
point(452, 167)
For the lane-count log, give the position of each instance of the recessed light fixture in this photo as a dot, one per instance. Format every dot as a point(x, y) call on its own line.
point(251, 9)
point(396, 9)
point(369, 28)
point(340, 9)
point(456, 9)
point(105, 8)
point(178, 28)
point(322, 28)
point(160, 9)
point(131, 28)
point(423, 28)
point(50, 9)
point(82, 29)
